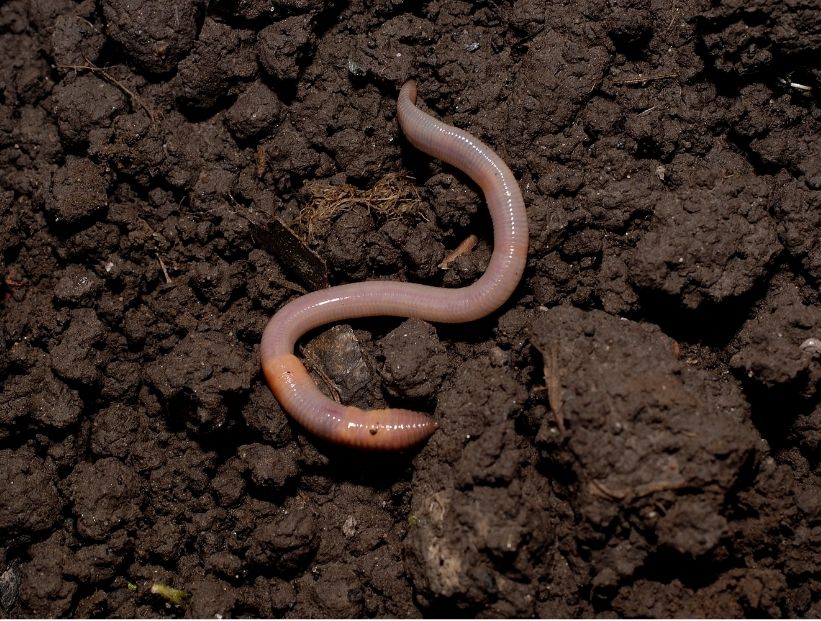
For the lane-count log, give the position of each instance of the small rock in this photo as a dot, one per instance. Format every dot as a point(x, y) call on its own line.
point(9, 586)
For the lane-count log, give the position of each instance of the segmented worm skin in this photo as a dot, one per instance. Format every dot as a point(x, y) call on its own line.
point(395, 429)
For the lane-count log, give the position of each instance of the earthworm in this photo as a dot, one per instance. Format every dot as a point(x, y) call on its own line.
point(395, 429)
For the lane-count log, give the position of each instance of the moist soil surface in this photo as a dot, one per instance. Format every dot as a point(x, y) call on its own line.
point(636, 432)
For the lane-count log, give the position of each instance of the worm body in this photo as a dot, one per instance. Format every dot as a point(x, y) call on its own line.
point(394, 429)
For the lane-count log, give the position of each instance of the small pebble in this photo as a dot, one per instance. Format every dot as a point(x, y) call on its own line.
point(355, 69)
point(811, 346)
point(9, 586)
point(349, 527)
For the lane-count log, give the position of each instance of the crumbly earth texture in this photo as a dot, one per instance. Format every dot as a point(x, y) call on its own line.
point(637, 432)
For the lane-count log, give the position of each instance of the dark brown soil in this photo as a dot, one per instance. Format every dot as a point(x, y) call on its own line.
point(638, 432)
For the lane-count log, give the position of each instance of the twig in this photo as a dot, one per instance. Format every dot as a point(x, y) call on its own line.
point(259, 157)
point(164, 271)
point(464, 248)
point(553, 383)
point(89, 66)
point(597, 488)
point(649, 78)
point(286, 284)
point(315, 366)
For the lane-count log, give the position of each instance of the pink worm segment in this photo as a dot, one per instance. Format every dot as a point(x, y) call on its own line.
point(395, 429)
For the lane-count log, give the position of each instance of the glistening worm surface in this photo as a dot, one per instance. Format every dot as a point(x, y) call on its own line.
point(394, 429)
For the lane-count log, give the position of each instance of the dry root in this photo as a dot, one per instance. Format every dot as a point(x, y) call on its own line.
point(393, 195)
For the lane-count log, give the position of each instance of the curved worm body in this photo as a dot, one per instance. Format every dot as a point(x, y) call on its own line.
point(394, 429)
